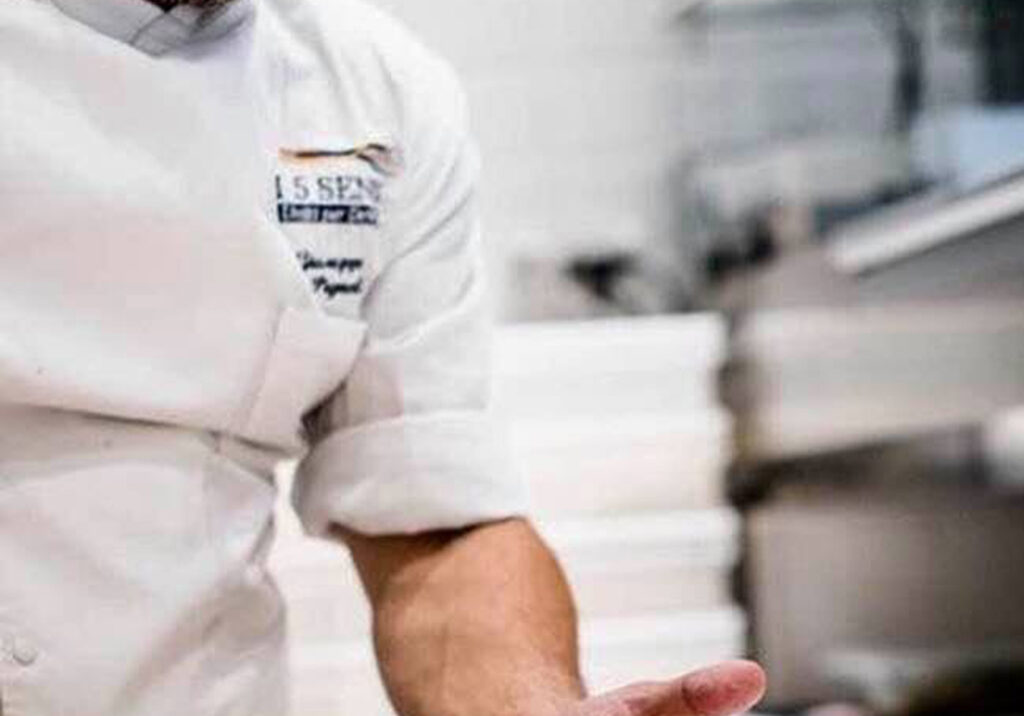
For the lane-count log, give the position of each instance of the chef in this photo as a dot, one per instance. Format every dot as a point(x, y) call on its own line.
point(232, 233)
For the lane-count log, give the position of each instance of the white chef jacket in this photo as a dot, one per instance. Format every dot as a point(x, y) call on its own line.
point(227, 237)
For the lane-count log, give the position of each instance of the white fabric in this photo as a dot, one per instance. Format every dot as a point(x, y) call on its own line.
point(226, 238)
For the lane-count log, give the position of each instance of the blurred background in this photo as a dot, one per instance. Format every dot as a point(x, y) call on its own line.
point(759, 266)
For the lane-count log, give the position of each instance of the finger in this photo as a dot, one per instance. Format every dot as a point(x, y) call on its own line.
point(727, 688)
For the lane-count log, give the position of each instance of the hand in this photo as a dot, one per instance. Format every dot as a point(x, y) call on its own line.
point(728, 688)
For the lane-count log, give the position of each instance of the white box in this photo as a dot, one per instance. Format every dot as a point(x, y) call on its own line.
point(322, 591)
point(644, 564)
point(337, 679)
point(608, 367)
point(623, 463)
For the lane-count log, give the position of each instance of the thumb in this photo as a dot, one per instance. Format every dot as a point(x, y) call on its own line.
point(727, 688)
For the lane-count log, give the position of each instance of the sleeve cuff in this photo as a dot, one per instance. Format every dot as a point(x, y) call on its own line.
point(411, 474)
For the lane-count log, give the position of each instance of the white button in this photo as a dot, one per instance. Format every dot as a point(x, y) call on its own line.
point(25, 653)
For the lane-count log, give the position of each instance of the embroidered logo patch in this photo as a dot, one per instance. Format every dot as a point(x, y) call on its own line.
point(320, 186)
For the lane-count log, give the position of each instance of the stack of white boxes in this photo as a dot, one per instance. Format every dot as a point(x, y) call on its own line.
point(616, 427)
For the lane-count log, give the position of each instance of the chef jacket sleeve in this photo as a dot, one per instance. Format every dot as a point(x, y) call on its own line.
point(408, 444)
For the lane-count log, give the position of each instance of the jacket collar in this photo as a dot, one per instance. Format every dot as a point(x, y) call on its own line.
point(153, 30)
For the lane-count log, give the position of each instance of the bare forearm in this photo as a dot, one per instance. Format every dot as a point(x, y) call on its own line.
point(478, 623)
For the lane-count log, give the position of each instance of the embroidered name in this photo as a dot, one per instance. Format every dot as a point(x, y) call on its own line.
point(328, 198)
point(332, 276)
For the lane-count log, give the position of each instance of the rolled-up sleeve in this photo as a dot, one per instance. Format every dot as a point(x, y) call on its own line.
point(409, 444)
